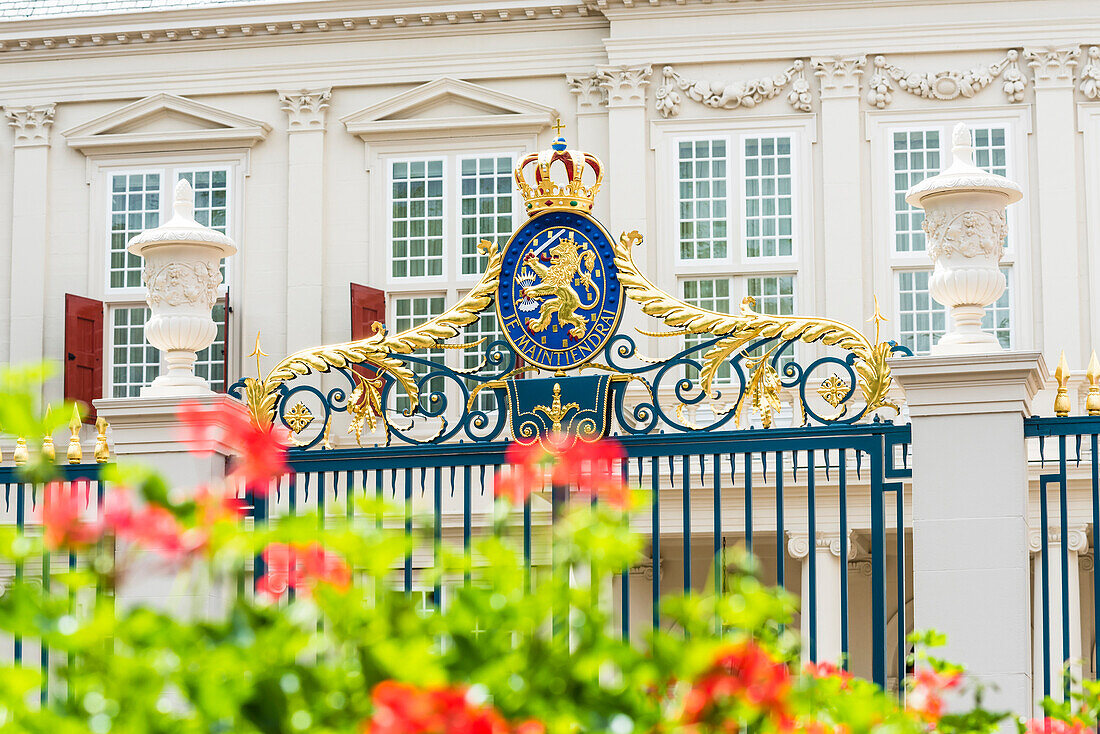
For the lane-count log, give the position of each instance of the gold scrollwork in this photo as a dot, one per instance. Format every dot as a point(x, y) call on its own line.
point(736, 331)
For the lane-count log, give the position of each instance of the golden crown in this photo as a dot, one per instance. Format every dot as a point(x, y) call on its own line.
point(545, 194)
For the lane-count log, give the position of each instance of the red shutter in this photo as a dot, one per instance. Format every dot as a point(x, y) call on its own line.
point(367, 306)
point(83, 351)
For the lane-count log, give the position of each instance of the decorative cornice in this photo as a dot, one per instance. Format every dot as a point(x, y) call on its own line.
point(32, 124)
point(839, 76)
point(625, 85)
point(1053, 66)
point(945, 85)
point(305, 108)
point(731, 95)
point(591, 95)
point(1090, 75)
point(1078, 538)
point(68, 33)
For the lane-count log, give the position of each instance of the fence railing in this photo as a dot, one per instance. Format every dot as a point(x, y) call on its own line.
point(761, 489)
point(1066, 523)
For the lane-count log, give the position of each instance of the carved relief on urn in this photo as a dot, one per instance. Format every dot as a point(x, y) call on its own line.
point(181, 275)
point(964, 220)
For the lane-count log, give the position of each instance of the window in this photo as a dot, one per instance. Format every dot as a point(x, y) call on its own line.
point(922, 320)
point(140, 199)
point(918, 152)
point(712, 294)
point(410, 312)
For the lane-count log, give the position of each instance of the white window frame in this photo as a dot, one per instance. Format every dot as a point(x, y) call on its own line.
point(668, 270)
point(880, 127)
point(100, 171)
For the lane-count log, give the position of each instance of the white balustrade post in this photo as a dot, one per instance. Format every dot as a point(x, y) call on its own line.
point(964, 219)
point(181, 275)
point(971, 561)
point(1057, 630)
point(827, 567)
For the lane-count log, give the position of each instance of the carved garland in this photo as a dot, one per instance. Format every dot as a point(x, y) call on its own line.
point(968, 233)
point(731, 95)
point(1090, 75)
point(945, 85)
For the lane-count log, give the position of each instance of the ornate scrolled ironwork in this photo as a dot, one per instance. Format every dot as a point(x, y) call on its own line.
point(742, 363)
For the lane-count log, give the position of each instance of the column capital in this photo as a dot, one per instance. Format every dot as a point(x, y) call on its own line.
point(1077, 538)
point(798, 544)
point(839, 76)
point(625, 85)
point(972, 384)
point(305, 108)
point(591, 95)
point(1053, 66)
point(32, 123)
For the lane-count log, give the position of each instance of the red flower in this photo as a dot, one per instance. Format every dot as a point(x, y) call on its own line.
point(61, 522)
point(827, 670)
point(1056, 726)
point(587, 467)
point(150, 526)
point(743, 673)
point(301, 567)
point(261, 452)
point(402, 708)
point(926, 692)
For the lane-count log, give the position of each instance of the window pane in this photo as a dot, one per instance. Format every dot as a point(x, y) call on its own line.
point(921, 320)
point(417, 202)
point(486, 187)
point(702, 210)
point(484, 328)
point(134, 204)
point(768, 198)
point(916, 157)
point(135, 362)
point(211, 198)
point(712, 294)
point(409, 312)
point(991, 152)
point(998, 316)
point(210, 364)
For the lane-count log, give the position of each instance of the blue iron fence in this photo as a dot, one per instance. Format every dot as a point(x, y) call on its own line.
point(752, 487)
point(22, 508)
point(1065, 452)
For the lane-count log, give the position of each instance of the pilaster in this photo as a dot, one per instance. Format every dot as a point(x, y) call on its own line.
point(305, 110)
point(1064, 316)
point(970, 518)
point(846, 262)
point(31, 125)
point(592, 129)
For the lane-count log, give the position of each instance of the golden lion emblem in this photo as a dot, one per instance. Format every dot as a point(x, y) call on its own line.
point(567, 262)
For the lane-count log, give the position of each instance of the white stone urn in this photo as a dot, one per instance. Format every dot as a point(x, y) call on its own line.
point(181, 275)
point(964, 220)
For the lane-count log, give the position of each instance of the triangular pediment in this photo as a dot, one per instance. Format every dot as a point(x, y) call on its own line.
point(166, 121)
point(448, 105)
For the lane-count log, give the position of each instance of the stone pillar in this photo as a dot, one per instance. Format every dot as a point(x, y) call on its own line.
point(827, 567)
point(29, 231)
point(1064, 279)
point(305, 214)
point(971, 563)
point(147, 430)
point(1076, 545)
point(592, 132)
point(846, 264)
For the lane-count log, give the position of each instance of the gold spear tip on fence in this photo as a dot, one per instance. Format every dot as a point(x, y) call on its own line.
point(21, 455)
point(1062, 404)
point(49, 453)
point(1092, 374)
point(102, 453)
point(74, 454)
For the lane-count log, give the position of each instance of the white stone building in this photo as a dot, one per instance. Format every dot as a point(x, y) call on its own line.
point(357, 151)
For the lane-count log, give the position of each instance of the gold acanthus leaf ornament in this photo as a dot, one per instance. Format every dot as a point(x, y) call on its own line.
point(378, 350)
point(742, 329)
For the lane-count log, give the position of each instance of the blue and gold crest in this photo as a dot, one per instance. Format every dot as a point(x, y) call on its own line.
point(559, 299)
